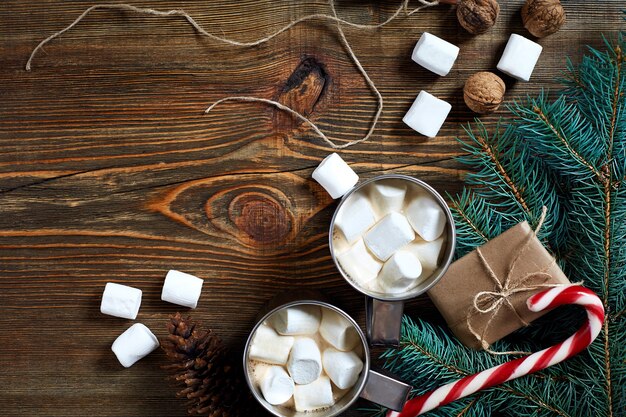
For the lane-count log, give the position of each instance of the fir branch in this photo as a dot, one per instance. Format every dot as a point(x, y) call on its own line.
point(476, 223)
point(543, 121)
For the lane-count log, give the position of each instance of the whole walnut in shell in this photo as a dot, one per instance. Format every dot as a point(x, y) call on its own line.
point(477, 16)
point(484, 92)
point(543, 17)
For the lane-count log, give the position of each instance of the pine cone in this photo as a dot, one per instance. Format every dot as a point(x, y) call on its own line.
point(203, 369)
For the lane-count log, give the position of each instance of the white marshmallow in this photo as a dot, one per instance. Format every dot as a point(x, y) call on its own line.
point(359, 264)
point(302, 319)
point(519, 57)
point(135, 343)
point(391, 233)
point(427, 252)
point(305, 361)
point(426, 217)
point(314, 396)
point(276, 385)
point(435, 54)
point(343, 368)
point(387, 197)
point(427, 114)
point(335, 175)
point(269, 347)
point(182, 289)
point(120, 301)
point(400, 272)
point(355, 218)
point(338, 331)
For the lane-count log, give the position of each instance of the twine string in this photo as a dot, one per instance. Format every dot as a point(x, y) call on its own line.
point(404, 7)
point(490, 302)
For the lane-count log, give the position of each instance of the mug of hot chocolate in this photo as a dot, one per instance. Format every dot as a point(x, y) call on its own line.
point(309, 358)
point(392, 238)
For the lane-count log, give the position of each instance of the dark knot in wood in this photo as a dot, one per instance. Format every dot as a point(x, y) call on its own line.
point(262, 218)
point(302, 91)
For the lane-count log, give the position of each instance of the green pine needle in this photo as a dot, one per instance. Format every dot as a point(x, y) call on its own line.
point(568, 154)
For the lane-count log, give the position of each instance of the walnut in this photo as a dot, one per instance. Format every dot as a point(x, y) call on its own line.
point(477, 16)
point(543, 17)
point(484, 92)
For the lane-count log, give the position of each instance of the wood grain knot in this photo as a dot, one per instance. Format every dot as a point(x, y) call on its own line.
point(261, 217)
point(302, 91)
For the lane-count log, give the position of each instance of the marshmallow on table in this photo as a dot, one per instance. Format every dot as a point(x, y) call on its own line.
point(120, 301)
point(427, 252)
point(427, 114)
point(182, 289)
point(355, 218)
point(519, 57)
point(391, 233)
point(302, 319)
point(400, 272)
point(338, 331)
point(276, 385)
point(435, 54)
point(426, 217)
point(305, 361)
point(135, 343)
point(335, 175)
point(269, 347)
point(387, 197)
point(343, 368)
point(359, 264)
point(314, 396)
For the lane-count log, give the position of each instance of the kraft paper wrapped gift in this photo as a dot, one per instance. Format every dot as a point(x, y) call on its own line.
point(532, 270)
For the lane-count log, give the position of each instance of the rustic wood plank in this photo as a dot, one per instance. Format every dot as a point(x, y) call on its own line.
point(109, 171)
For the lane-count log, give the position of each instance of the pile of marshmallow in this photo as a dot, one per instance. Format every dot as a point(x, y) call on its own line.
point(305, 357)
point(124, 302)
point(388, 239)
point(428, 113)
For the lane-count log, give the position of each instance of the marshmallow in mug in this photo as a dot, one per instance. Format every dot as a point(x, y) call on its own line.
point(182, 289)
point(359, 264)
point(338, 331)
point(120, 301)
point(269, 347)
point(314, 396)
point(426, 217)
point(135, 343)
point(387, 197)
point(276, 385)
point(400, 272)
point(358, 217)
point(343, 368)
point(297, 320)
point(427, 114)
point(435, 54)
point(305, 361)
point(335, 175)
point(391, 233)
point(428, 253)
point(519, 57)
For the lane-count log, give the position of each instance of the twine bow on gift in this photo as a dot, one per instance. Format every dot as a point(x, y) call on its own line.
point(490, 302)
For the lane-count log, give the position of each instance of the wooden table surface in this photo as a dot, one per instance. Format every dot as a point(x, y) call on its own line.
point(109, 171)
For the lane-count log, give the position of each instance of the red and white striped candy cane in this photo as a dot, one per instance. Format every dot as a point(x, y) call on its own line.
point(579, 341)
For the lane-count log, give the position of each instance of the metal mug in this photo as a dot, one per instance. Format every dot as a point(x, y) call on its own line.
point(371, 385)
point(384, 311)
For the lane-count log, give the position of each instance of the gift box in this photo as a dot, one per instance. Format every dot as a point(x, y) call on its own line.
point(483, 295)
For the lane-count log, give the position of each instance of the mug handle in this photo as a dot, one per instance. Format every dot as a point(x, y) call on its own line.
point(383, 321)
point(386, 391)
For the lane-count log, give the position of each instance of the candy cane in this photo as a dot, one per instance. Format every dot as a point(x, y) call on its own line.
point(579, 341)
